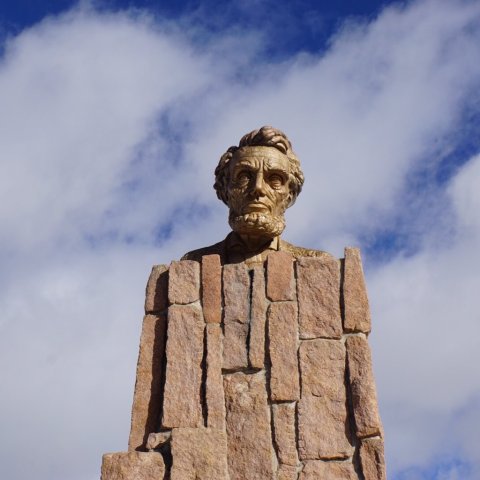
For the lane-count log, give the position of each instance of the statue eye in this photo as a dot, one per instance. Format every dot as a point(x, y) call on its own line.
point(243, 178)
point(275, 180)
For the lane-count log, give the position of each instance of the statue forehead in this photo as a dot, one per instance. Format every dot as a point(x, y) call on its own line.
point(270, 155)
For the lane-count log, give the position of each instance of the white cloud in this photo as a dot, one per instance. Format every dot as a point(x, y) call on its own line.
point(78, 94)
point(111, 127)
point(427, 327)
point(465, 196)
point(363, 115)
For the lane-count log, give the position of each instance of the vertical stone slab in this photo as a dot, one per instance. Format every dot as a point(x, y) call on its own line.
point(147, 398)
point(372, 459)
point(258, 319)
point(182, 395)
point(214, 383)
point(287, 472)
point(362, 387)
point(212, 288)
point(328, 471)
point(250, 448)
point(284, 433)
point(318, 290)
point(133, 465)
point(184, 282)
point(355, 298)
point(322, 413)
point(283, 338)
point(280, 278)
point(199, 454)
point(236, 292)
point(156, 298)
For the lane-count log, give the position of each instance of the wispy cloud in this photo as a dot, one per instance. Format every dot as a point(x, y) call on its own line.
point(111, 126)
point(428, 324)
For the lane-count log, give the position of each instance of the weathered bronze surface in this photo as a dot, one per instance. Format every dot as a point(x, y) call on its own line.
point(258, 181)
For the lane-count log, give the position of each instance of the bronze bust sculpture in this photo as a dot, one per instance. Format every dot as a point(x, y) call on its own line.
point(258, 181)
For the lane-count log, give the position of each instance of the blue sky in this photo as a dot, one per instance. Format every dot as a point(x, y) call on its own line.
point(113, 117)
point(24, 13)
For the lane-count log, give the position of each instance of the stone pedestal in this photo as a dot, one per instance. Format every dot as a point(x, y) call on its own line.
point(254, 373)
point(133, 466)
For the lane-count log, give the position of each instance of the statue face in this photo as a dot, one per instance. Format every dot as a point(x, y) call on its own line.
point(258, 190)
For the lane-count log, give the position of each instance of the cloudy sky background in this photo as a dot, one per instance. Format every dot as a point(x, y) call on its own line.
point(112, 118)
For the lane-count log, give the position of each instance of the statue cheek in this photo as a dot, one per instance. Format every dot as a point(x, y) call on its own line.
point(236, 193)
point(235, 198)
point(282, 199)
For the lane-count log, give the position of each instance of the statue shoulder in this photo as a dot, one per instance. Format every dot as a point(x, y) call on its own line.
point(196, 255)
point(298, 252)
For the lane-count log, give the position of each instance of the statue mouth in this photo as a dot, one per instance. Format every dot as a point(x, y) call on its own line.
point(256, 207)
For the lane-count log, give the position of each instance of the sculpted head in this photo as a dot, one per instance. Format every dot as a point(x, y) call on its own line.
point(258, 181)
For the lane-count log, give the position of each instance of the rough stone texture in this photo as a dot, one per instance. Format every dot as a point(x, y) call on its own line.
point(184, 282)
point(284, 433)
point(250, 449)
point(156, 299)
point(214, 383)
point(212, 288)
point(256, 381)
point(133, 465)
point(318, 289)
point(236, 290)
point(287, 472)
point(372, 459)
point(362, 387)
point(283, 337)
point(280, 279)
point(322, 413)
point(147, 398)
point(182, 396)
point(157, 439)
point(318, 470)
point(355, 298)
point(256, 352)
point(199, 454)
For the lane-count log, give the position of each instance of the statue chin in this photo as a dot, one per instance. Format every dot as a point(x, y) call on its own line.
point(257, 224)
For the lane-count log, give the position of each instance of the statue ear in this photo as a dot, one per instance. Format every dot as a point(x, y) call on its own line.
point(291, 199)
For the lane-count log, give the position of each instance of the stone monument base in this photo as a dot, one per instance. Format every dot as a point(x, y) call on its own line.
point(133, 466)
point(254, 373)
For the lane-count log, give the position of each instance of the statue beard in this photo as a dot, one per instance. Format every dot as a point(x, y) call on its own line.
point(257, 224)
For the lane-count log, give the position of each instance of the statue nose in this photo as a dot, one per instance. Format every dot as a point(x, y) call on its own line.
point(259, 186)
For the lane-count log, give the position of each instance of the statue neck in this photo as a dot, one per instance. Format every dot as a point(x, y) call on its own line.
point(255, 243)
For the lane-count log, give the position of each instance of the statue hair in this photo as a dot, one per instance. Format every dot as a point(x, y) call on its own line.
point(263, 137)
